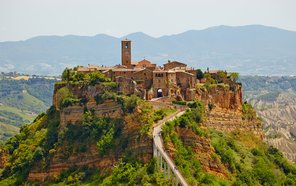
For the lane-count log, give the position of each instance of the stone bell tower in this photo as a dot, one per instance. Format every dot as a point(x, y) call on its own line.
point(126, 52)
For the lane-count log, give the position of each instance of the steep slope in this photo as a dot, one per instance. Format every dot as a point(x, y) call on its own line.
point(94, 136)
point(274, 99)
point(210, 157)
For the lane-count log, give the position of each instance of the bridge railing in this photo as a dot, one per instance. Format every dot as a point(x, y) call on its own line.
point(164, 162)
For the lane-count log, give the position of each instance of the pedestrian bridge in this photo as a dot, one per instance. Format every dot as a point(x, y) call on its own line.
point(164, 163)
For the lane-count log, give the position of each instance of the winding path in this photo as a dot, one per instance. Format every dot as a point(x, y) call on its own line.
point(163, 159)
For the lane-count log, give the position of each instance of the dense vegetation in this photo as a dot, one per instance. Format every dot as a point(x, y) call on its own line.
point(249, 112)
point(33, 144)
point(21, 101)
point(252, 162)
point(73, 77)
point(248, 160)
point(38, 143)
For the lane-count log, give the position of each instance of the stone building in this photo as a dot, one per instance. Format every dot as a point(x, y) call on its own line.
point(145, 78)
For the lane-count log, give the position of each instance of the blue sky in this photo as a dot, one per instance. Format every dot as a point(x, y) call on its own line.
point(23, 19)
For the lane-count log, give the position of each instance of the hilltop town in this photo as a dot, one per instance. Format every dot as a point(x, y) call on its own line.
point(107, 123)
point(147, 80)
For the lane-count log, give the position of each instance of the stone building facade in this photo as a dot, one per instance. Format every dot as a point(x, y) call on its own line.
point(152, 81)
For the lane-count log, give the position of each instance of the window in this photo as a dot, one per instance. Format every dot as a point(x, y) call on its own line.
point(126, 45)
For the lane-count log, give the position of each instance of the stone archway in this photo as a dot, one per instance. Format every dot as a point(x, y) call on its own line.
point(159, 93)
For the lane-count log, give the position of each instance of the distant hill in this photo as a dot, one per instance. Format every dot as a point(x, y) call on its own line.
point(250, 50)
point(21, 101)
point(274, 99)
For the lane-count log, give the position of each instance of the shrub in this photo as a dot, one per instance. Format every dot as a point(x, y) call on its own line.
point(249, 112)
point(69, 101)
point(129, 103)
point(179, 102)
point(96, 77)
point(199, 74)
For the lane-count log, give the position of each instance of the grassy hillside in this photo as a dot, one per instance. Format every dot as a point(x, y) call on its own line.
point(21, 101)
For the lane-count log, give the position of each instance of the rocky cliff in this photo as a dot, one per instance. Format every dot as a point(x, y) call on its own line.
point(224, 109)
point(129, 140)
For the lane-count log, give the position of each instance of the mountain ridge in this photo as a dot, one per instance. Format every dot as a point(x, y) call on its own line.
point(250, 50)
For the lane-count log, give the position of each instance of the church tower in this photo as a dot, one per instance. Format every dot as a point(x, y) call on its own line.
point(126, 52)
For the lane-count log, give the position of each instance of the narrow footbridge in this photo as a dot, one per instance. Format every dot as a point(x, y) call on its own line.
point(164, 162)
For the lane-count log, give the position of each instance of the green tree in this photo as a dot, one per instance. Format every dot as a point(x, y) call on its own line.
point(234, 76)
point(199, 74)
point(66, 75)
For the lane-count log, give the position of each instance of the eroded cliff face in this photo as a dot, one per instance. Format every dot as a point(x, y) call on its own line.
point(203, 150)
point(221, 96)
point(129, 142)
point(224, 109)
point(227, 120)
point(278, 118)
point(223, 112)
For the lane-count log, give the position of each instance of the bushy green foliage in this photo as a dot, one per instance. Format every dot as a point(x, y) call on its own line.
point(129, 103)
point(97, 77)
point(234, 76)
point(133, 173)
point(110, 86)
point(106, 141)
point(209, 78)
point(92, 130)
point(252, 166)
point(199, 74)
point(221, 76)
point(69, 101)
point(101, 98)
point(32, 145)
point(192, 117)
point(63, 94)
point(185, 159)
point(161, 113)
point(72, 77)
point(249, 112)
